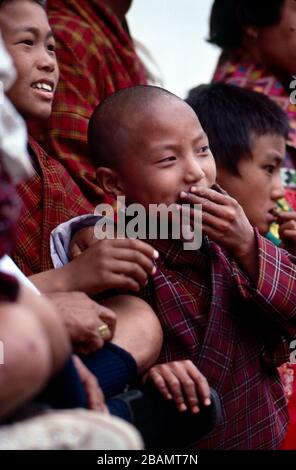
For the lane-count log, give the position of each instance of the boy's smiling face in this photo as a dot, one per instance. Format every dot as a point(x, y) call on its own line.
point(29, 40)
point(166, 151)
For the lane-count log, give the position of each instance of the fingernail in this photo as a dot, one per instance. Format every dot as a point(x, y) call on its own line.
point(169, 396)
point(154, 270)
point(197, 190)
point(183, 194)
point(182, 407)
point(207, 402)
point(195, 410)
point(155, 254)
point(193, 189)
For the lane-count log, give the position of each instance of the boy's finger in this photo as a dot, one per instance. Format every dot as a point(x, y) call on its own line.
point(217, 187)
point(189, 390)
point(286, 216)
point(182, 372)
point(134, 256)
point(210, 208)
point(160, 384)
point(211, 195)
point(74, 251)
point(174, 386)
point(138, 245)
point(166, 378)
point(121, 281)
point(132, 270)
point(96, 401)
point(291, 225)
point(201, 385)
point(288, 235)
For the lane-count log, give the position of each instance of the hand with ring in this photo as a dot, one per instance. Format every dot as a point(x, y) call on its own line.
point(82, 316)
point(104, 331)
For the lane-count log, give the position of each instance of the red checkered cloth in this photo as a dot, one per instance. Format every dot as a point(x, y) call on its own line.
point(49, 198)
point(237, 334)
point(96, 57)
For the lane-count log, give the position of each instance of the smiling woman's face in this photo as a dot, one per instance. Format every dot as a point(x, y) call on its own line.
point(29, 40)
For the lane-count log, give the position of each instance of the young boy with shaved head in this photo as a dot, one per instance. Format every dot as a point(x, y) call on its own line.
point(229, 306)
point(51, 197)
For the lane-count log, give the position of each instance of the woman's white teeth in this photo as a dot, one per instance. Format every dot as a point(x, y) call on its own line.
point(42, 86)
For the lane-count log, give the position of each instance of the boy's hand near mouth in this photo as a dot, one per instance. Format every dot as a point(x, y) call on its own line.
point(287, 230)
point(224, 221)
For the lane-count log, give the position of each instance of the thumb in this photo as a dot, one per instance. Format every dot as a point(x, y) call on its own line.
point(74, 251)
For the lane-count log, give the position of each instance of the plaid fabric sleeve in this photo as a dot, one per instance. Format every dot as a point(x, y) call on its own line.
point(78, 92)
point(275, 292)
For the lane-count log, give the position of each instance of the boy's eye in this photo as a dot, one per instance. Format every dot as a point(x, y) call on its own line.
point(167, 159)
point(203, 149)
point(269, 168)
point(51, 47)
point(28, 42)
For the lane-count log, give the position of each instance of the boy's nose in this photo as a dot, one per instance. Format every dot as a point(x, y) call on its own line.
point(46, 62)
point(193, 172)
point(277, 190)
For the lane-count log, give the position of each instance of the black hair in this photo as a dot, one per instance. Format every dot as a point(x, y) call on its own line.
point(229, 18)
point(113, 122)
point(230, 116)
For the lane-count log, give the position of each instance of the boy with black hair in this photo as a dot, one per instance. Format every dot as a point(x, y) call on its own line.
point(229, 306)
point(247, 133)
point(29, 39)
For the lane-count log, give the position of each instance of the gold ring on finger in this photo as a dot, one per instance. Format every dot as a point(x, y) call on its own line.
point(104, 331)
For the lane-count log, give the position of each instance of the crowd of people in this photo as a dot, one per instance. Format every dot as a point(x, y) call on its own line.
point(126, 340)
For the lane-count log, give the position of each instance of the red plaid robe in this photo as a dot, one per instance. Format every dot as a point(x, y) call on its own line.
point(235, 333)
point(96, 57)
point(49, 198)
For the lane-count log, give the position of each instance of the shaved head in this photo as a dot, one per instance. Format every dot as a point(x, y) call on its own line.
point(117, 121)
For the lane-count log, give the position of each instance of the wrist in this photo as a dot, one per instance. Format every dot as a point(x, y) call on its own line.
point(247, 258)
point(71, 278)
point(245, 248)
point(65, 279)
point(54, 280)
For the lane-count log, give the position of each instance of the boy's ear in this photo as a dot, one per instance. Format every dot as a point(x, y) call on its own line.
point(109, 181)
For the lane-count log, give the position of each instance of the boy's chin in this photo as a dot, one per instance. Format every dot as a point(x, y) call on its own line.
point(38, 113)
point(264, 229)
